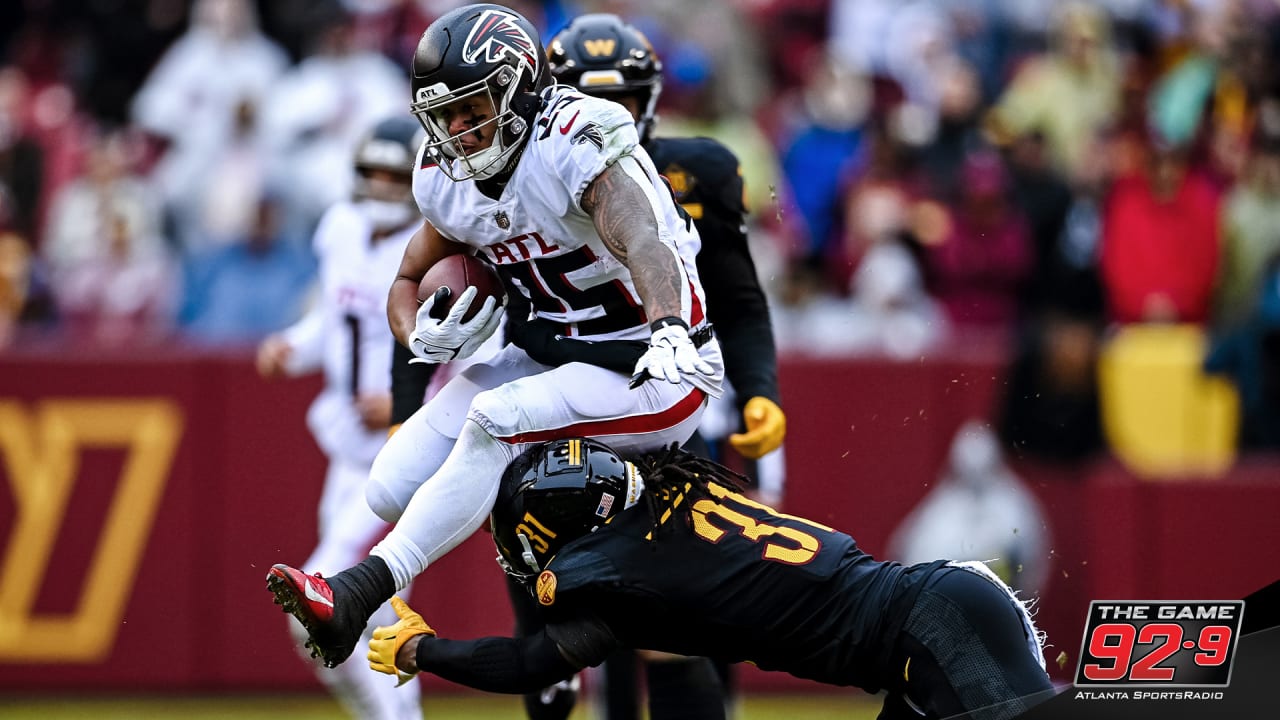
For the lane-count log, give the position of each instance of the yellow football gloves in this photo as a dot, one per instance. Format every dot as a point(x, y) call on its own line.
point(766, 426)
point(387, 641)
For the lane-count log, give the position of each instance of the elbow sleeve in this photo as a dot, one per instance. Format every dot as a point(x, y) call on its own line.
point(408, 383)
point(501, 665)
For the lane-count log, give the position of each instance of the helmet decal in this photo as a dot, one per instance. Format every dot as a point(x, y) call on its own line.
point(602, 47)
point(602, 55)
point(436, 90)
point(495, 34)
point(635, 485)
point(546, 588)
point(606, 504)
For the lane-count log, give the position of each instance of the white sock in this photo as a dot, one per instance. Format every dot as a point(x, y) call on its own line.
point(402, 556)
point(448, 507)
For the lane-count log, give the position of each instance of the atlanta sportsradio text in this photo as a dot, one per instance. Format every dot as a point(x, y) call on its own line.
point(1148, 695)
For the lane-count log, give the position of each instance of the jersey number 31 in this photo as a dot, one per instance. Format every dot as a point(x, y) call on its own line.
point(782, 543)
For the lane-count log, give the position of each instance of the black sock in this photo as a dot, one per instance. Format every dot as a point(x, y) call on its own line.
point(621, 686)
point(684, 690)
point(728, 676)
point(369, 584)
point(728, 683)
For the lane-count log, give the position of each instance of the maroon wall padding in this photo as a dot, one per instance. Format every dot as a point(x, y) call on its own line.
point(865, 442)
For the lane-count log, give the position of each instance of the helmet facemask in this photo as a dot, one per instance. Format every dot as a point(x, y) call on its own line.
point(386, 203)
point(435, 107)
point(383, 190)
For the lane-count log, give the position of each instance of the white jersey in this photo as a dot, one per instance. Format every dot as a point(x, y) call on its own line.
point(346, 332)
point(537, 235)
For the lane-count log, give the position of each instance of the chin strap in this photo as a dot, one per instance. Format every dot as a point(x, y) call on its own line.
point(526, 105)
point(527, 555)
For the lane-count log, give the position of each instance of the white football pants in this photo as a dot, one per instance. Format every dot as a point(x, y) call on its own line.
point(438, 476)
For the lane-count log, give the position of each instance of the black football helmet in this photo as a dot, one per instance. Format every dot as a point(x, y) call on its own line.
point(478, 50)
point(603, 56)
point(383, 161)
point(554, 493)
point(391, 146)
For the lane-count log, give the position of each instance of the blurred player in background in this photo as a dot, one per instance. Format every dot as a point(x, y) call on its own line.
point(359, 244)
point(552, 187)
point(670, 556)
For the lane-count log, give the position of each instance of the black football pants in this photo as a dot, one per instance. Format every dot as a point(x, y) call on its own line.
point(963, 652)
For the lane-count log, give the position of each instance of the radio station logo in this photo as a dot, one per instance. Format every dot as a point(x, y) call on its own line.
point(1159, 643)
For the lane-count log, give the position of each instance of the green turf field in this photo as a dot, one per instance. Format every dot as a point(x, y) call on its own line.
point(448, 707)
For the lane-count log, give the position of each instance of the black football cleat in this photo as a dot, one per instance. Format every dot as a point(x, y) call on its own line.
point(324, 609)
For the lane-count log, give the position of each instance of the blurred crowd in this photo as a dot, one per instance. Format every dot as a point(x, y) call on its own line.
point(1030, 173)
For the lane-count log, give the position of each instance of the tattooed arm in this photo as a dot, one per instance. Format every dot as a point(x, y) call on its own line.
point(623, 206)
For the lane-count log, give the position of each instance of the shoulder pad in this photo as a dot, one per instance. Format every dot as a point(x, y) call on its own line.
point(578, 117)
point(707, 159)
point(576, 569)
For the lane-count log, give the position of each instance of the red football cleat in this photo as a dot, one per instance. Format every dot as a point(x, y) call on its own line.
point(317, 604)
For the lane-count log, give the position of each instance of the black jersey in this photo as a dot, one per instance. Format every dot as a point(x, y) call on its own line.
point(737, 580)
point(706, 179)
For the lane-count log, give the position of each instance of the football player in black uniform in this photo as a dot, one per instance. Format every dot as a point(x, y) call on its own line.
point(603, 56)
point(670, 556)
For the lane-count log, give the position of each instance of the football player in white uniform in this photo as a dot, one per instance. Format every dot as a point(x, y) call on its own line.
point(553, 188)
point(359, 244)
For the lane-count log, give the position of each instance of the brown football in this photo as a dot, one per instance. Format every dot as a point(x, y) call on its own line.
point(458, 272)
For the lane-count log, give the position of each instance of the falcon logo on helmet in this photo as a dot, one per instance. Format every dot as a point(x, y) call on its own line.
point(495, 34)
point(498, 65)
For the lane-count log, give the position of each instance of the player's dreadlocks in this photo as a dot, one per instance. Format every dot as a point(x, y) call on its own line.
point(671, 472)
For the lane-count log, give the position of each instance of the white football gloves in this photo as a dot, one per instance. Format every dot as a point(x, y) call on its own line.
point(439, 341)
point(671, 354)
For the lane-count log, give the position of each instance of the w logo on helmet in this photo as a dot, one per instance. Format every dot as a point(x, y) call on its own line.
point(495, 34)
point(599, 48)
